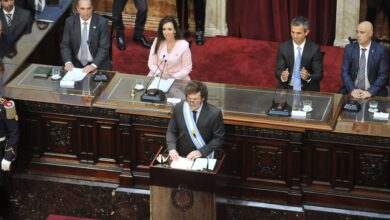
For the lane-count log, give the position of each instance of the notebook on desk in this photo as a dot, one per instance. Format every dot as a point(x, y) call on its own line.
point(42, 71)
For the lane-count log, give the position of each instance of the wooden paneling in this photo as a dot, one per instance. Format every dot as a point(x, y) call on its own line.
point(343, 168)
point(148, 142)
point(262, 164)
point(372, 169)
point(106, 141)
point(87, 151)
point(60, 135)
point(233, 165)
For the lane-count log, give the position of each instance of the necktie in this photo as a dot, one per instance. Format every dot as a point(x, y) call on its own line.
point(84, 45)
point(9, 19)
point(194, 114)
point(297, 68)
point(361, 78)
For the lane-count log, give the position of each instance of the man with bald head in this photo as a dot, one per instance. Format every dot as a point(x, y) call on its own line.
point(365, 69)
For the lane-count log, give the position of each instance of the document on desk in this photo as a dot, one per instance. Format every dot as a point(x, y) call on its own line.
point(182, 163)
point(163, 84)
point(197, 164)
point(76, 75)
point(204, 163)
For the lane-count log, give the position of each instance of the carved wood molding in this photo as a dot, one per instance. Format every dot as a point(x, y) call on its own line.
point(59, 134)
point(289, 136)
point(29, 106)
point(373, 169)
point(347, 138)
point(149, 121)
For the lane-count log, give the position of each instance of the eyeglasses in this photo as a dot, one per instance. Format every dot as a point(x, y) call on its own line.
point(194, 101)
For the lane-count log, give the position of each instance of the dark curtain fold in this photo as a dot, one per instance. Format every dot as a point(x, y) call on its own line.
point(270, 19)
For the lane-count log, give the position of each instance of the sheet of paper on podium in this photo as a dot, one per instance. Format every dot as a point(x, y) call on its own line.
point(197, 164)
point(71, 77)
point(163, 85)
point(182, 163)
point(204, 163)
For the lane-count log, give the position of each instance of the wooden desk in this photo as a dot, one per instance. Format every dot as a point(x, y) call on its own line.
point(317, 160)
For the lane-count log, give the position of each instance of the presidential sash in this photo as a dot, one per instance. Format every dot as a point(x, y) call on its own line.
point(192, 129)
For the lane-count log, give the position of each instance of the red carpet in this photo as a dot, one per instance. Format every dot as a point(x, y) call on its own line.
point(230, 60)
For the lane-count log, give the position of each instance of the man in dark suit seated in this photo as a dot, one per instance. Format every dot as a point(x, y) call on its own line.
point(299, 61)
point(86, 40)
point(16, 21)
point(365, 69)
point(196, 128)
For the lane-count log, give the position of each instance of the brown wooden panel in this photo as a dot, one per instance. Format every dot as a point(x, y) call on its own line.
point(181, 203)
point(233, 162)
point(86, 143)
point(306, 160)
point(106, 148)
point(372, 169)
point(60, 133)
point(147, 143)
point(321, 166)
point(343, 168)
point(124, 145)
point(267, 161)
point(31, 138)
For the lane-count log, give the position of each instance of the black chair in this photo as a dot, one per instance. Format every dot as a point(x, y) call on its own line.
point(108, 17)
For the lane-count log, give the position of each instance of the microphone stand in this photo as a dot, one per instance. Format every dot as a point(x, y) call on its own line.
point(279, 108)
point(155, 95)
point(154, 74)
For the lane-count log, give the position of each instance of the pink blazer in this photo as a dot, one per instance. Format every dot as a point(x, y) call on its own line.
point(179, 63)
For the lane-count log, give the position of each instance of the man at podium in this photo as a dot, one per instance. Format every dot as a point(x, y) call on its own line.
point(196, 127)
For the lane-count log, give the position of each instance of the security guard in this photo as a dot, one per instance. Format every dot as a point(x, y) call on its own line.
point(9, 138)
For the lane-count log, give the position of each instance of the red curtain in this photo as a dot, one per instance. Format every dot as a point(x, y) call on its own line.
point(270, 19)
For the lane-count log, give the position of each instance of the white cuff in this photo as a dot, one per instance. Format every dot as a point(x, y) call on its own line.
point(5, 165)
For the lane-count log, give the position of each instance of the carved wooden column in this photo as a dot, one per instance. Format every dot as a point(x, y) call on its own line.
point(216, 18)
point(347, 18)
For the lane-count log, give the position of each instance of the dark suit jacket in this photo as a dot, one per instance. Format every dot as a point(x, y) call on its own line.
point(7, 44)
point(311, 60)
point(377, 68)
point(29, 5)
point(210, 125)
point(98, 41)
point(21, 23)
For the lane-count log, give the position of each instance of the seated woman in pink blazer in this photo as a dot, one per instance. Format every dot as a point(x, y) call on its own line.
point(170, 55)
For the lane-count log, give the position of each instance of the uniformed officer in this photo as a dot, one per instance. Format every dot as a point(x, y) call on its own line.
point(9, 138)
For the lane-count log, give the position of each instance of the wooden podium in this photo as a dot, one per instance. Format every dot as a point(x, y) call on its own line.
point(182, 194)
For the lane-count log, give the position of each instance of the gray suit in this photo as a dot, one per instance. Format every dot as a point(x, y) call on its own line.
point(209, 123)
point(98, 41)
point(21, 22)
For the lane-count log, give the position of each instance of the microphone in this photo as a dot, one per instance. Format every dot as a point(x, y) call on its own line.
point(280, 109)
point(155, 94)
point(162, 72)
point(154, 74)
point(179, 136)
